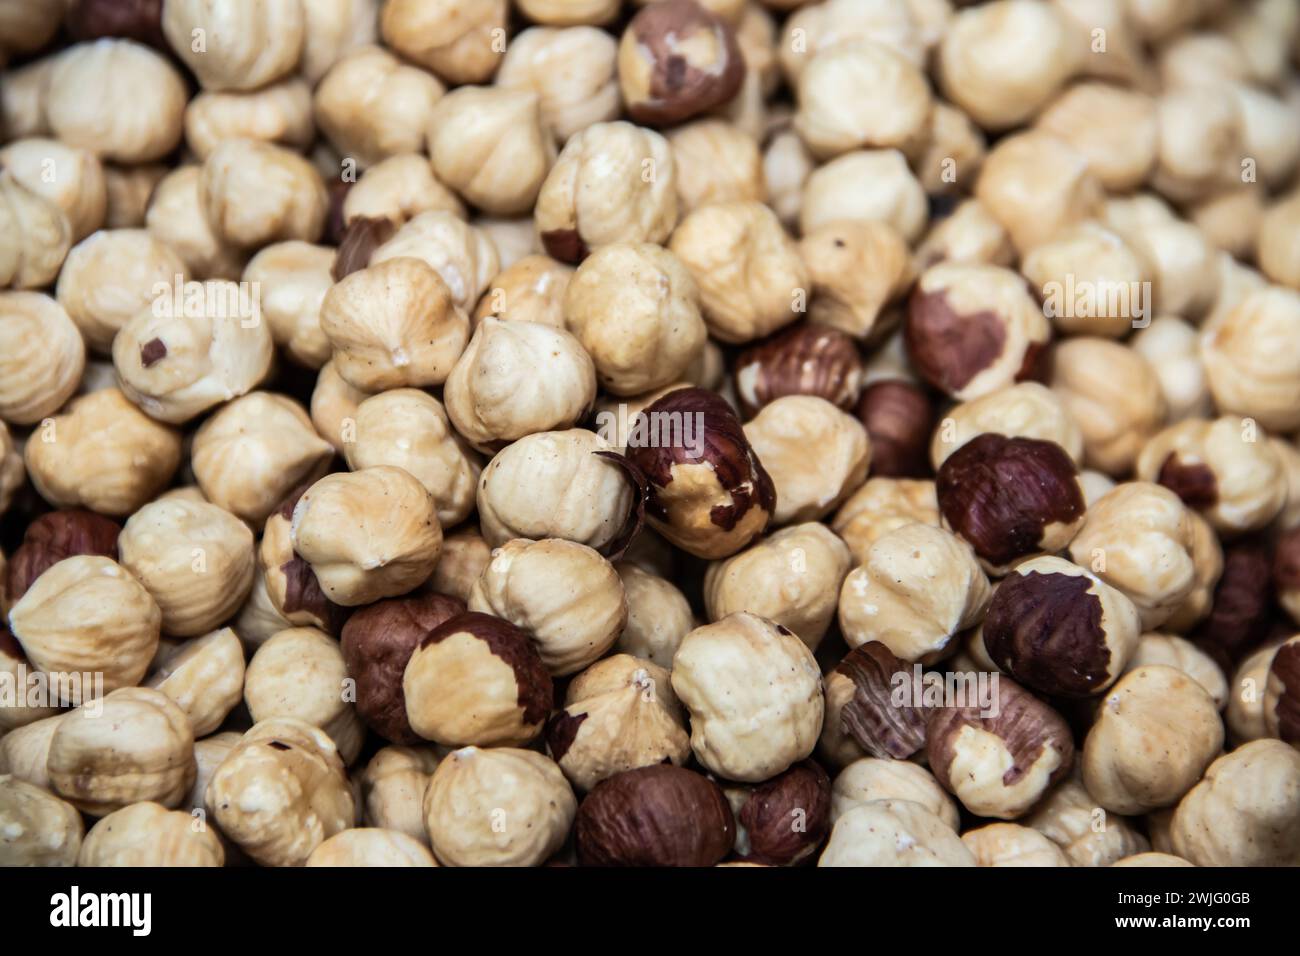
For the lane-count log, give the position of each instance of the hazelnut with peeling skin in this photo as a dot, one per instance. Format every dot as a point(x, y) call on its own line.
point(392, 790)
point(1009, 844)
point(881, 506)
point(870, 779)
point(1060, 629)
point(893, 833)
point(1027, 410)
point(865, 685)
point(1240, 605)
point(205, 677)
point(1282, 693)
point(1252, 359)
point(1089, 836)
point(39, 828)
point(148, 834)
point(50, 539)
point(784, 820)
point(802, 359)
point(655, 816)
point(573, 71)
point(42, 357)
point(917, 588)
point(658, 616)
point(857, 268)
point(286, 592)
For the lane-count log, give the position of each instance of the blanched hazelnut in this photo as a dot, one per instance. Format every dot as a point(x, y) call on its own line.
point(12, 472)
point(102, 453)
point(612, 182)
point(195, 559)
point(205, 677)
point(1113, 395)
point(1199, 143)
point(292, 279)
point(1244, 812)
point(893, 833)
point(655, 816)
point(334, 404)
point(1182, 262)
point(245, 47)
point(69, 177)
point(572, 71)
point(727, 674)
point(39, 828)
point(281, 792)
point(20, 705)
point(51, 538)
point(255, 193)
point(969, 234)
point(787, 164)
point(658, 616)
point(392, 789)
point(280, 114)
point(1172, 347)
point(564, 13)
point(1091, 281)
point(463, 255)
point(857, 267)
point(398, 189)
point(1231, 220)
point(563, 594)
point(36, 236)
point(175, 215)
point(814, 27)
point(1252, 361)
point(870, 779)
point(1025, 410)
point(1009, 844)
point(254, 450)
point(1278, 250)
point(118, 99)
point(953, 151)
point(531, 289)
point(1282, 693)
point(716, 162)
point(1089, 836)
point(1162, 860)
point(1121, 152)
point(803, 359)
point(367, 535)
point(460, 40)
point(42, 356)
point(367, 846)
point(1181, 654)
point(869, 184)
point(394, 324)
point(148, 834)
point(23, 751)
point(880, 506)
point(464, 556)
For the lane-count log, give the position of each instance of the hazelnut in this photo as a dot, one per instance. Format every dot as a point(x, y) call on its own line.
point(334, 405)
point(566, 13)
point(1241, 612)
point(716, 162)
point(787, 164)
point(1244, 811)
point(973, 328)
point(52, 537)
point(658, 616)
point(1009, 844)
point(1247, 380)
point(256, 193)
point(677, 60)
point(367, 535)
point(1088, 835)
point(457, 39)
point(1026, 410)
point(1180, 654)
point(532, 289)
point(708, 492)
point(1282, 693)
point(281, 792)
point(953, 147)
point(462, 255)
point(1152, 859)
point(392, 788)
point(857, 267)
point(917, 587)
point(1121, 152)
point(893, 833)
point(573, 71)
point(619, 714)
point(1010, 498)
point(293, 278)
point(784, 820)
point(17, 707)
point(246, 48)
point(513, 237)
point(39, 829)
point(148, 834)
point(1090, 280)
point(1279, 255)
point(1180, 259)
point(70, 178)
point(135, 745)
point(862, 697)
point(867, 184)
point(612, 182)
point(803, 359)
point(23, 751)
point(398, 189)
point(464, 556)
point(1113, 395)
point(1172, 348)
point(969, 234)
point(880, 506)
point(393, 324)
point(655, 816)
point(873, 779)
point(1199, 141)
point(195, 559)
point(366, 846)
point(281, 114)
point(176, 215)
point(1060, 629)
point(1231, 220)
point(13, 472)
point(559, 485)
point(718, 672)
point(128, 190)
point(822, 26)
point(204, 677)
point(42, 356)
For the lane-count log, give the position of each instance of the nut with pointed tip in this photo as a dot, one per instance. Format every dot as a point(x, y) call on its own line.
point(881, 506)
point(392, 789)
point(456, 39)
point(584, 92)
point(870, 779)
point(893, 833)
point(463, 255)
point(1245, 380)
point(40, 828)
point(256, 193)
point(658, 615)
point(148, 834)
point(1182, 655)
point(205, 677)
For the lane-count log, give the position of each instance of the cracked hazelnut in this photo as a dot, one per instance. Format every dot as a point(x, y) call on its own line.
point(148, 834)
point(1088, 835)
point(1060, 629)
point(857, 268)
point(655, 816)
point(803, 359)
point(869, 184)
point(50, 539)
point(392, 788)
point(1009, 844)
point(871, 779)
point(42, 356)
point(918, 586)
point(716, 162)
point(532, 289)
point(784, 820)
point(573, 71)
point(1182, 655)
point(292, 278)
point(281, 792)
point(256, 193)
point(658, 616)
point(38, 828)
point(880, 506)
point(457, 39)
point(1245, 379)
point(205, 678)
point(893, 833)
point(1282, 693)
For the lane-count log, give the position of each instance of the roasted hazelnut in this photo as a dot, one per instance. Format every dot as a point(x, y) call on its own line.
point(148, 834)
point(505, 706)
point(869, 184)
point(392, 789)
point(195, 559)
point(1009, 844)
point(893, 833)
point(969, 234)
point(612, 182)
point(716, 162)
point(205, 678)
point(803, 359)
point(1244, 811)
point(727, 675)
point(532, 289)
point(871, 779)
point(658, 616)
point(42, 357)
point(23, 751)
point(572, 71)
point(1181, 654)
point(857, 268)
point(1245, 379)
point(367, 846)
point(52, 537)
point(292, 279)
point(655, 816)
point(462, 255)
point(1089, 836)
point(281, 792)
point(1060, 629)
point(880, 506)
point(464, 556)
point(256, 193)
point(69, 177)
point(1282, 693)
point(1172, 347)
point(102, 453)
point(917, 587)
point(39, 828)
point(565, 13)
point(175, 215)
point(863, 702)
point(784, 820)
point(557, 485)
point(1121, 152)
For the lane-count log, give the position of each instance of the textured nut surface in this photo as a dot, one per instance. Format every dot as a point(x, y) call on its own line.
point(205, 677)
point(148, 834)
point(893, 833)
point(783, 821)
point(531, 289)
point(880, 506)
point(1023, 410)
point(175, 215)
point(368, 846)
point(870, 779)
point(256, 193)
point(249, 46)
point(292, 278)
point(803, 359)
point(572, 70)
point(1181, 654)
point(1251, 358)
point(39, 829)
point(41, 358)
point(463, 255)
point(717, 161)
point(280, 113)
point(52, 537)
point(857, 268)
point(392, 790)
point(457, 39)
point(658, 616)
point(1009, 844)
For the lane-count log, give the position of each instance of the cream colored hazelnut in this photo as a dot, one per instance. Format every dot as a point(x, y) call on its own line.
point(1200, 141)
point(1009, 844)
point(950, 152)
point(1182, 263)
point(619, 714)
point(728, 675)
point(1172, 347)
point(716, 163)
point(42, 357)
point(368, 534)
point(513, 237)
point(497, 807)
point(1252, 359)
point(148, 834)
point(1162, 860)
point(281, 114)
point(792, 578)
point(1231, 220)
point(367, 846)
point(195, 559)
point(127, 191)
point(23, 751)
point(24, 96)
point(260, 617)
point(658, 616)
point(866, 184)
point(566, 13)
point(814, 27)
point(292, 279)
point(1200, 58)
point(1245, 812)
point(1278, 249)
point(334, 405)
point(463, 256)
point(243, 47)
point(1176, 652)
point(1121, 152)
point(532, 289)
point(612, 182)
point(134, 744)
point(1024, 410)
point(392, 789)
point(35, 236)
point(894, 596)
point(573, 71)
point(399, 188)
point(460, 40)
point(205, 678)
point(1113, 395)
point(102, 453)
point(332, 29)
point(518, 378)
point(1248, 691)
point(464, 556)
point(634, 309)
point(281, 792)
point(970, 234)
point(70, 177)
point(394, 324)
point(809, 487)
point(409, 429)
point(39, 828)
point(893, 833)
point(870, 779)
point(13, 472)
point(118, 99)
point(857, 268)
point(1091, 282)
point(880, 506)
point(1089, 836)
point(255, 193)
point(787, 164)
point(175, 215)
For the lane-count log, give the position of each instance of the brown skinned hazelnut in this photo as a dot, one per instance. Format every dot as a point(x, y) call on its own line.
point(1282, 693)
point(51, 538)
point(1241, 611)
point(655, 816)
point(899, 418)
point(1286, 572)
point(879, 725)
point(377, 642)
point(139, 20)
point(804, 359)
point(782, 821)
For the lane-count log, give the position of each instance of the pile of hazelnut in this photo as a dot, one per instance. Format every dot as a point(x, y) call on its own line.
point(662, 432)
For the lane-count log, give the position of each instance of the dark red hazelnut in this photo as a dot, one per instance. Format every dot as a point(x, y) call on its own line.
point(1010, 498)
point(1243, 610)
point(335, 227)
point(1286, 571)
point(655, 816)
point(53, 537)
point(880, 725)
point(899, 418)
point(1283, 694)
point(360, 240)
point(139, 20)
point(1194, 482)
point(377, 642)
point(785, 819)
point(565, 245)
point(804, 359)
